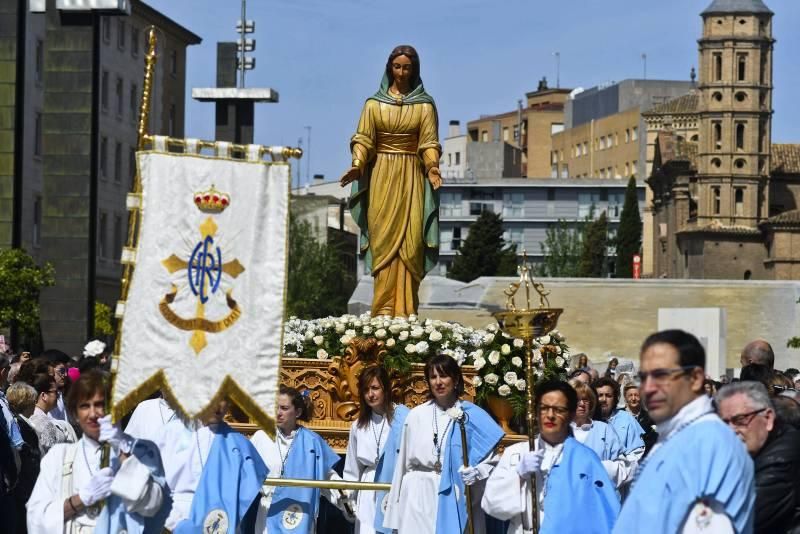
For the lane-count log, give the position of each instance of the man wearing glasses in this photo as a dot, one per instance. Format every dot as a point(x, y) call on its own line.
point(746, 407)
point(698, 476)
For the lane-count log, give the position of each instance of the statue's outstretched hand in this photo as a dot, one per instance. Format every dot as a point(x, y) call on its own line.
point(435, 177)
point(350, 176)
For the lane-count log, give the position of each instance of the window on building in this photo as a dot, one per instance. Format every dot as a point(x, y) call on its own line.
point(556, 127)
point(104, 90)
point(627, 169)
point(716, 202)
point(36, 230)
point(634, 133)
point(450, 204)
point(603, 142)
point(102, 230)
point(172, 120)
point(739, 202)
point(627, 135)
point(554, 170)
point(106, 29)
point(762, 69)
point(585, 148)
point(717, 135)
point(117, 237)
point(505, 133)
point(104, 157)
point(39, 67)
point(455, 243)
point(740, 136)
point(446, 240)
point(118, 92)
point(484, 136)
point(458, 158)
point(134, 102)
point(551, 194)
point(615, 203)
point(586, 200)
point(131, 166)
point(634, 168)
point(118, 162)
point(513, 204)
point(134, 41)
point(37, 134)
point(716, 59)
point(602, 173)
point(741, 67)
point(514, 236)
point(173, 62)
point(564, 170)
point(616, 139)
point(476, 208)
point(449, 159)
point(121, 33)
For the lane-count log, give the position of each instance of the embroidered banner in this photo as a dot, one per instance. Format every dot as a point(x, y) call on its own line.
point(204, 313)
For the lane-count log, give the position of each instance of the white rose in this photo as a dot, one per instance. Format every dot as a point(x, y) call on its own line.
point(494, 357)
point(477, 381)
point(322, 355)
point(478, 353)
point(309, 335)
point(357, 324)
point(479, 363)
point(416, 333)
point(504, 390)
point(510, 377)
point(345, 339)
point(350, 332)
point(558, 349)
point(565, 354)
point(518, 343)
point(318, 340)
point(435, 336)
point(380, 333)
point(491, 378)
point(520, 385)
point(455, 413)
point(544, 340)
point(422, 347)
point(488, 338)
point(505, 349)
point(559, 361)
point(94, 348)
point(390, 342)
point(339, 328)
point(403, 335)
point(411, 348)
point(537, 356)
point(516, 361)
point(367, 330)
point(395, 328)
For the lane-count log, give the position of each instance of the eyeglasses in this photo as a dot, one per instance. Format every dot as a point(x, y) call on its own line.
point(661, 375)
point(743, 419)
point(62, 371)
point(53, 391)
point(559, 411)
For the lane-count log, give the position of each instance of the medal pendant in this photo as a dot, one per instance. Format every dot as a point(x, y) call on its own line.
point(437, 466)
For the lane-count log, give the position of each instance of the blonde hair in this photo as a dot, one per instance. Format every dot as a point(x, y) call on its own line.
point(585, 392)
point(21, 397)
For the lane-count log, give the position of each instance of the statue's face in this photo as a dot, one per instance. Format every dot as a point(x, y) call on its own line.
point(402, 71)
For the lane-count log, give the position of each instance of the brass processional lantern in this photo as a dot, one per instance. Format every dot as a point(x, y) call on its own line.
point(528, 323)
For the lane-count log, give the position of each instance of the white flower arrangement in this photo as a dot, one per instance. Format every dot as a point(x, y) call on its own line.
point(318, 340)
point(94, 348)
point(510, 378)
point(494, 357)
point(516, 361)
point(455, 413)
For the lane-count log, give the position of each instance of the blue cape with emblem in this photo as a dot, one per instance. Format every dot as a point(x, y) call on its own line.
point(229, 485)
point(294, 510)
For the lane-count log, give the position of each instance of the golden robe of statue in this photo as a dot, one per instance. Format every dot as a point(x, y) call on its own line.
point(395, 159)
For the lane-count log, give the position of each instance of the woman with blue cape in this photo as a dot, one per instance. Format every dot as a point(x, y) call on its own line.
point(372, 446)
point(428, 486)
point(395, 175)
point(296, 452)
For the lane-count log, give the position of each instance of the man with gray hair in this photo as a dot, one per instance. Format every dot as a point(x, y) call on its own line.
point(760, 352)
point(746, 407)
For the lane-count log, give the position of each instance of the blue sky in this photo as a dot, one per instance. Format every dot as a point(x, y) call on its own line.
point(478, 57)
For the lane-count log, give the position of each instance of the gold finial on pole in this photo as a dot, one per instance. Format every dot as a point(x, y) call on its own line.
point(528, 323)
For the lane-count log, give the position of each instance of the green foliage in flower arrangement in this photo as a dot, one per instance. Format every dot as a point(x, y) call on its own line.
point(497, 357)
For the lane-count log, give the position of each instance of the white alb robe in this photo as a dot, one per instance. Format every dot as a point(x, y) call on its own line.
point(187, 476)
point(364, 447)
point(413, 501)
point(268, 449)
point(45, 508)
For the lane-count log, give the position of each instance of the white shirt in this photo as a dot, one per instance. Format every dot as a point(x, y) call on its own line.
point(364, 447)
point(187, 476)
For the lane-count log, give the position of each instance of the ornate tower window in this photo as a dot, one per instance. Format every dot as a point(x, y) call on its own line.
point(717, 66)
point(717, 135)
point(740, 130)
point(741, 66)
point(716, 203)
point(739, 202)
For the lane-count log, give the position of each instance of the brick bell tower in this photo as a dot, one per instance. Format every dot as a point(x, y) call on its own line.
point(735, 112)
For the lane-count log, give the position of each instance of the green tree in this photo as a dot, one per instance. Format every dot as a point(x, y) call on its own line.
point(103, 324)
point(318, 281)
point(21, 281)
point(629, 233)
point(562, 251)
point(594, 250)
point(484, 252)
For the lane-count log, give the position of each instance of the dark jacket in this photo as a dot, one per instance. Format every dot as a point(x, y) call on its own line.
point(777, 477)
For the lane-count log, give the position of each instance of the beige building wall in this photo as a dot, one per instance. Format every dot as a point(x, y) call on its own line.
point(602, 148)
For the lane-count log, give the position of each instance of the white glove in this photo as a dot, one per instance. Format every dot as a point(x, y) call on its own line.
point(469, 475)
point(530, 463)
point(98, 487)
point(115, 437)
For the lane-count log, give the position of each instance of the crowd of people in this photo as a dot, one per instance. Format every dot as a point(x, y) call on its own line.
point(663, 450)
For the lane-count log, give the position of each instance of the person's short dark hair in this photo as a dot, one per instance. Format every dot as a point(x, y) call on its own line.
point(86, 387)
point(791, 372)
point(548, 386)
point(56, 356)
point(300, 401)
point(756, 372)
point(578, 372)
point(787, 411)
point(610, 382)
point(445, 365)
point(33, 367)
point(89, 363)
point(690, 352)
point(43, 383)
point(364, 380)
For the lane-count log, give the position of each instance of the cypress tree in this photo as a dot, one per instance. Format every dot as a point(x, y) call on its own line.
point(629, 234)
point(484, 252)
point(595, 243)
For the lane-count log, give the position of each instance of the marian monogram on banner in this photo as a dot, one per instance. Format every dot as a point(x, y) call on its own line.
point(204, 270)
